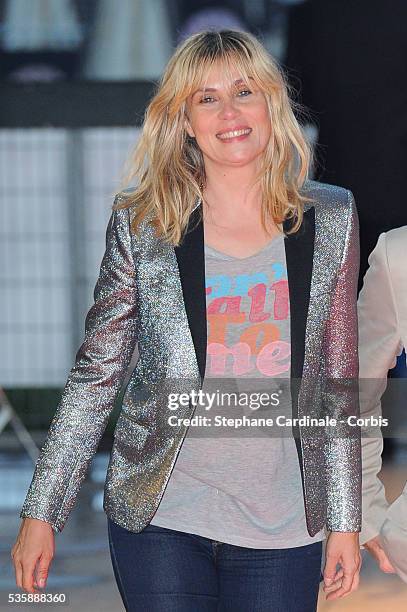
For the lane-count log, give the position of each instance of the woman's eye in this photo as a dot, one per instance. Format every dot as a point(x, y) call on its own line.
point(242, 91)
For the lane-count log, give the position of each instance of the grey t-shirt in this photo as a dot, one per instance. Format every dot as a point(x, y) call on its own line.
point(230, 485)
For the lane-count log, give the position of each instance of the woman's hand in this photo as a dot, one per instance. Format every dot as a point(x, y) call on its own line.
point(35, 543)
point(341, 548)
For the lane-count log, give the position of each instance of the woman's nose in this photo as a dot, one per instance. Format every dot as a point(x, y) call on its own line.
point(228, 109)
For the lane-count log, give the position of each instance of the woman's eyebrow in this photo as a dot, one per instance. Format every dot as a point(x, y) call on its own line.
point(237, 82)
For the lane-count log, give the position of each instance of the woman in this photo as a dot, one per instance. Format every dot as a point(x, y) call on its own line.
point(223, 192)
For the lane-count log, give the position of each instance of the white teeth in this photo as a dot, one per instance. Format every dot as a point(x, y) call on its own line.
point(235, 133)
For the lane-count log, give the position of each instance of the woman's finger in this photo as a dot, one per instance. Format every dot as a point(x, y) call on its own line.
point(356, 577)
point(355, 582)
point(330, 568)
point(339, 574)
point(18, 570)
point(41, 574)
point(28, 576)
point(336, 584)
point(334, 587)
point(347, 581)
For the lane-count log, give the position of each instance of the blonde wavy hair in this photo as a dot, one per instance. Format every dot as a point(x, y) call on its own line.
point(169, 165)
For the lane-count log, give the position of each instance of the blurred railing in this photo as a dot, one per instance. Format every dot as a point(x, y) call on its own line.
point(62, 149)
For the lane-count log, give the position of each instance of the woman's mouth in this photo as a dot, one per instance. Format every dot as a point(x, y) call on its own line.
point(234, 135)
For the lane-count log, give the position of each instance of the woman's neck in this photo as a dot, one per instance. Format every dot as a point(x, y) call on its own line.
point(230, 192)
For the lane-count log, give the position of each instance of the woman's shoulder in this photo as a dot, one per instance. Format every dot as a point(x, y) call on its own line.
point(326, 196)
point(335, 214)
point(125, 205)
point(129, 211)
point(122, 199)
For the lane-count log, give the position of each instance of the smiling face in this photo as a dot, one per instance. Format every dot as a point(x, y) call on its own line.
point(229, 118)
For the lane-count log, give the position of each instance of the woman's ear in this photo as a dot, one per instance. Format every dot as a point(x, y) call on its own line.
point(188, 128)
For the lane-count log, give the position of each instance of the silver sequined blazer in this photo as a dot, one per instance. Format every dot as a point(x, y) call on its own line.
point(153, 294)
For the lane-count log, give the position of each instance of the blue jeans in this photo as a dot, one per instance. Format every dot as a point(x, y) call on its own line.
point(163, 570)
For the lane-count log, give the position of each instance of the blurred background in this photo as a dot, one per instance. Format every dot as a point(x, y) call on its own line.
point(76, 76)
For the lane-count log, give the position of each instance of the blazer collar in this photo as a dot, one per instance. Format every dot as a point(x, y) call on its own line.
point(191, 263)
point(299, 252)
point(299, 249)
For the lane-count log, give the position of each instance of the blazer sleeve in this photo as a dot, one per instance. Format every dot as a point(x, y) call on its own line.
point(93, 383)
point(343, 453)
point(379, 344)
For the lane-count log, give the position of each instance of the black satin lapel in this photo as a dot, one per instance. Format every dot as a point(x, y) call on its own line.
point(299, 250)
point(191, 264)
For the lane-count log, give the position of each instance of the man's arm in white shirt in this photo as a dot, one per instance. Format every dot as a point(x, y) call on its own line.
point(379, 345)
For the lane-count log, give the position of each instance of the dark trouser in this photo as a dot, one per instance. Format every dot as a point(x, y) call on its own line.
point(163, 570)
